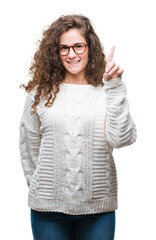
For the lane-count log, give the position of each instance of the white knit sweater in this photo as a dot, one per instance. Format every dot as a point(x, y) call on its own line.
point(66, 150)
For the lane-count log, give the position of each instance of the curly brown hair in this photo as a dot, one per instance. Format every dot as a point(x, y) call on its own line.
point(47, 70)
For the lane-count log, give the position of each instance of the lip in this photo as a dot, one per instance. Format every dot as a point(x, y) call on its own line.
point(73, 63)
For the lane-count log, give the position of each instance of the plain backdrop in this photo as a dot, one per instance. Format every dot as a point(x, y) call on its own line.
point(130, 26)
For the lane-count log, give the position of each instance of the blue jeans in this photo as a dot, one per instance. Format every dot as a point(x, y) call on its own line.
point(61, 226)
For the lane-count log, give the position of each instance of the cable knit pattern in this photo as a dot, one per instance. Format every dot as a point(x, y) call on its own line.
point(67, 150)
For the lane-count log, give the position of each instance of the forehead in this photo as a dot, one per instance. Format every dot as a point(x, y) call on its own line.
point(71, 37)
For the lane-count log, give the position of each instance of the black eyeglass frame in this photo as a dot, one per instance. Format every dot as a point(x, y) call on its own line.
point(73, 48)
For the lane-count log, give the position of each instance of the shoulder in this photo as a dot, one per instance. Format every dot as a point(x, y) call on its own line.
point(31, 95)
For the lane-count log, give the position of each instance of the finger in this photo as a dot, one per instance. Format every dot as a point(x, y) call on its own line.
point(110, 56)
point(111, 65)
point(106, 77)
point(120, 72)
point(114, 70)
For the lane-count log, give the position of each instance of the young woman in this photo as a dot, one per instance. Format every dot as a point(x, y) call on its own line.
point(80, 113)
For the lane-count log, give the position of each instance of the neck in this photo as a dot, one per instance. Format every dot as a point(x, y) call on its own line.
point(75, 79)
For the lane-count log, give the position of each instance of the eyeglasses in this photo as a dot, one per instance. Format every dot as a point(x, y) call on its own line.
point(78, 48)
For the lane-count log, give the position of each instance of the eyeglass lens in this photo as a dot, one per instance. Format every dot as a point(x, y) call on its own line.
point(78, 48)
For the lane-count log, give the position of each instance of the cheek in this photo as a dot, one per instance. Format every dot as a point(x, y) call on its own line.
point(86, 59)
point(62, 60)
point(86, 56)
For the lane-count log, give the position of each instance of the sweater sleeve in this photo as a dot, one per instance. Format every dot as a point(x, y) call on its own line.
point(30, 138)
point(120, 129)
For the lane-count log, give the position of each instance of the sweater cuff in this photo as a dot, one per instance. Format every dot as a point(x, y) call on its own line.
point(113, 83)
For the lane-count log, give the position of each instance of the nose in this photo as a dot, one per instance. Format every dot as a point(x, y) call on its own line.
point(71, 53)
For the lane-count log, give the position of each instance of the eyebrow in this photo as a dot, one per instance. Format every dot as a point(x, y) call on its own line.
point(71, 45)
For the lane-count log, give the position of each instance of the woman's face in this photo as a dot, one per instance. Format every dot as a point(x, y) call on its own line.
point(74, 63)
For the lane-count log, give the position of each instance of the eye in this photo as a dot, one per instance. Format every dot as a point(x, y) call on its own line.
point(79, 46)
point(63, 48)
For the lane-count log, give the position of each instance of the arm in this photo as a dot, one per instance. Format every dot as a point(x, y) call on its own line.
point(120, 129)
point(30, 138)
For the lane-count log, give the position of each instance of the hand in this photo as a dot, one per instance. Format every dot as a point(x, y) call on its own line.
point(112, 70)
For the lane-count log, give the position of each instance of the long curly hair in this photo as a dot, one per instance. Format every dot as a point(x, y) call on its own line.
point(47, 71)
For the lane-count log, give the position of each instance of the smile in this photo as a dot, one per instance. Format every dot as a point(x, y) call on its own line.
point(73, 62)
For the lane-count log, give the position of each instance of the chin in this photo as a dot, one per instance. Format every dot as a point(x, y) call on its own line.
point(75, 71)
